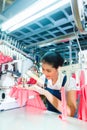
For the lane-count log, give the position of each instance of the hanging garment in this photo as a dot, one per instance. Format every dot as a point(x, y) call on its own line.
point(82, 106)
point(4, 59)
point(63, 99)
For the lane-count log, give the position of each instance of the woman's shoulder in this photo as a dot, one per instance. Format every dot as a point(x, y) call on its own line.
point(71, 84)
point(61, 77)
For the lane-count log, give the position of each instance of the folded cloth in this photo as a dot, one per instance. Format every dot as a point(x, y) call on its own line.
point(27, 97)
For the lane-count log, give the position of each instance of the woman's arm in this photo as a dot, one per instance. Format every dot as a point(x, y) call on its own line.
point(57, 103)
point(71, 99)
point(71, 102)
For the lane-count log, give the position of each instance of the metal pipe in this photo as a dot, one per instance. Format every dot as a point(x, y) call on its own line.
point(3, 5)
point(70, 52)
point(60, 39)
point(78, 9)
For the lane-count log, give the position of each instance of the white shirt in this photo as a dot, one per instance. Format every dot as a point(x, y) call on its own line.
point(70, 84)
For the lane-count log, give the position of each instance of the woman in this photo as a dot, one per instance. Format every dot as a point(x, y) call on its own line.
point(53, 78)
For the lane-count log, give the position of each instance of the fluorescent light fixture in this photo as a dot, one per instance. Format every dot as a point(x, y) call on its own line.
point(44, 44)
point(30, 11)
point(37, 10)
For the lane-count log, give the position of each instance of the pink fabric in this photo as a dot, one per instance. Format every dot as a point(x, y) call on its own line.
point(22, 97)
point(36, 102)
point(4, 59)
point(82, 110)
point(82, 78)
point(64, 110)
point(74, 76)
point(19, 80)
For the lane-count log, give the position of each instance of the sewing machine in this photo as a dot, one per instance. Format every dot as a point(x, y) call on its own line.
point(6, 102)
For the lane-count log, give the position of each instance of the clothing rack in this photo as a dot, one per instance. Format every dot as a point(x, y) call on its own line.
point(13, 45)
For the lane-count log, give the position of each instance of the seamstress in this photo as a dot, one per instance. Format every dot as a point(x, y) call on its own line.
point(53, 77)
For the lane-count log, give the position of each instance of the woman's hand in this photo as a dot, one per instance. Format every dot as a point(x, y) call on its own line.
point(37, 89)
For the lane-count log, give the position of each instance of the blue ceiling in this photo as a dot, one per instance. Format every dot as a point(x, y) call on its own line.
point(57, 30)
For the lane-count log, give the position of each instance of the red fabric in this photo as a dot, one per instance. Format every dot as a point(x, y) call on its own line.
point(74, 76)
point(31, 81)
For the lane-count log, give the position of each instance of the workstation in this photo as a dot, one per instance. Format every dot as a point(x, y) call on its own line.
point(29, 37)
point(33, 118)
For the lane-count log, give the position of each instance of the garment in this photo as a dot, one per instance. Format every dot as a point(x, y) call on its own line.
point(82, 102)
point(55, 89)
point(27, 97)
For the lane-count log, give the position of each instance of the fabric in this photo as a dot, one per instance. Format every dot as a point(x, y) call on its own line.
point(27, 97)
point(4, 59)
point(31, 81)
point(21, 95)
point(19, 80)
point(82, 106)
point(64, 107)
point(36, 102)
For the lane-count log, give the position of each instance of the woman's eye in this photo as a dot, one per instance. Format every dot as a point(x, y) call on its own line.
point(48, 71)
point(42, 69)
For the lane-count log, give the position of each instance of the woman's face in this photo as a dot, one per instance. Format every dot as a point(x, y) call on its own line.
point(49, 71)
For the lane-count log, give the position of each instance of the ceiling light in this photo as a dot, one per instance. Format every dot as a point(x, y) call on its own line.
point(37, 10)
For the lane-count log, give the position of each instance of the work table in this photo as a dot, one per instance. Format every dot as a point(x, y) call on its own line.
point(29, 118)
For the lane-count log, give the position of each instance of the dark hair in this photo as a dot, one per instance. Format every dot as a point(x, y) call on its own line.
point(53, 58)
